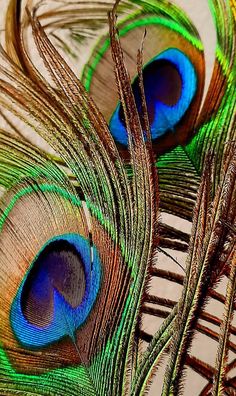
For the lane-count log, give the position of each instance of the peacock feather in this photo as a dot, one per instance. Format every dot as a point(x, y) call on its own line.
point(107, 130)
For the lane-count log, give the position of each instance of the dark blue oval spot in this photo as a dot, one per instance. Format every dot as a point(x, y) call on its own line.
point(58, 291)
point(170, 84)
point(58, 267)
point(162, 83)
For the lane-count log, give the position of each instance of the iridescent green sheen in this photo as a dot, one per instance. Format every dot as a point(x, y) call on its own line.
point(123, 30)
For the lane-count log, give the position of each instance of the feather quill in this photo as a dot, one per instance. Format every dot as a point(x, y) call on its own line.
point(222, 354)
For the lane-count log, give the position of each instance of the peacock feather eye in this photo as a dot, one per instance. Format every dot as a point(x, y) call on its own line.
point(62, 279)
point(170, 83)
point(173, 76)
point(58, 278)
point(57, 268)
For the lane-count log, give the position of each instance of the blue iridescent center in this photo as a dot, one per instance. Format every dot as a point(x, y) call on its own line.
point(58, 291)
point(170, 84)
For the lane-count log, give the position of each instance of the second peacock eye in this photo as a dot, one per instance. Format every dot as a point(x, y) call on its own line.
point(58, 292)
point(170, 85)
point(59, 267)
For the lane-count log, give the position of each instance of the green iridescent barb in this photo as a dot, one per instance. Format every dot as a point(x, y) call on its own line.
point(85, 239)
